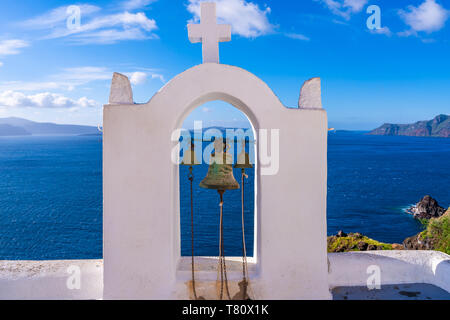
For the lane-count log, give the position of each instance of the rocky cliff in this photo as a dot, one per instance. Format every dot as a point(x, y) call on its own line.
point(438, 127)
point(426, 208)
point(436, 236)
point(343, 242)
point(8, 130)
point(18, 127)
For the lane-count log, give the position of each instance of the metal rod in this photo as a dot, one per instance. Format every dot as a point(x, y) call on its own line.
point(191, 179)
point(220, 243)
point(244, 250)
point(223, 266)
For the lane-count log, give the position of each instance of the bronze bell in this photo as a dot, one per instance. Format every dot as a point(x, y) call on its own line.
point(243, 159)
point(220, 175)
point(189, 157)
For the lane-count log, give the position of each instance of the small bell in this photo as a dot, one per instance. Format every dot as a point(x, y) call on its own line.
point(243, 159)
point(189, 157)
point(220, 175)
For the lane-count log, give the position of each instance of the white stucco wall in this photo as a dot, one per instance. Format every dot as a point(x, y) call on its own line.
point(141, 192)
point(48, 279)
point(25, 280)
point(396, 267)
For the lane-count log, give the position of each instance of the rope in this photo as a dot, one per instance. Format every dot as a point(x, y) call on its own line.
point(191, 179)
point(222, 263)
point(220, 249)
point(245, 276)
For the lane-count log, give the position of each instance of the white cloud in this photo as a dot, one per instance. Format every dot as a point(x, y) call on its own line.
point(71, 78)
point(158, 76)
point(246, 18)
point(68, 79)
point(12, 46)
point(112, 36)
point(57, 17)
point(83, 75)
point(206, 109)
point(140, 77)
point(297, 36)
point(15, 99)
point(428, 17)
point(355, 5)
point(136, 4)
point(32, 86)
point(111, 29)
point(407, 33)
point(94, 28)
point(344, 8)
point(125, 19)
point(336, 21)
point(385, 30)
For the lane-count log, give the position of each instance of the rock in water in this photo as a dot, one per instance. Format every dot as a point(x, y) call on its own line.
point(427, 208)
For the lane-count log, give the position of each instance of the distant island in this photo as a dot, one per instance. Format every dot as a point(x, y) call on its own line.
point(21, 127)
point(438, 127)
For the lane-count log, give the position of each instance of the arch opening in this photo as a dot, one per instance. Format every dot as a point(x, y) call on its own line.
point(205, 122)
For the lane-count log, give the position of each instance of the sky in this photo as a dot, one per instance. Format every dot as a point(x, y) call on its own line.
point(55, 70)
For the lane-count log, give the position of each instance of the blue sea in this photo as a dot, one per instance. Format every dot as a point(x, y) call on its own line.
point(51, 194)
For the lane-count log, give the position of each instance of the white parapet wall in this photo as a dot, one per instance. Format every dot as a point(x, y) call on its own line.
point(396, 267)
point(48, 279)
point(29, 280)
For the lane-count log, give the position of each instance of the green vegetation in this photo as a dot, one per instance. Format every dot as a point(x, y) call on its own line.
point(436, 236)
point(437, 232)
point(424, 222)
point(355, 242)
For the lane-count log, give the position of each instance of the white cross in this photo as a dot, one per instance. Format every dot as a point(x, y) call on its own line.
point(209, 33)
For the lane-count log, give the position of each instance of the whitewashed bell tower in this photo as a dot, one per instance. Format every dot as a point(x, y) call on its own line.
point(142, 256)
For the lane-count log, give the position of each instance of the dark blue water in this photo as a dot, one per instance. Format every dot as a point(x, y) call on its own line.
point(50, 198)
point(51, 194)
point(371, 179)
